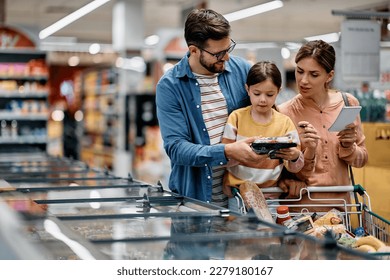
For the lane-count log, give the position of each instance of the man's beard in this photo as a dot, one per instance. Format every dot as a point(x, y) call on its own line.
point(216, 67)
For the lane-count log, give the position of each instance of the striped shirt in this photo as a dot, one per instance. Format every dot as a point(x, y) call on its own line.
point(215, 114)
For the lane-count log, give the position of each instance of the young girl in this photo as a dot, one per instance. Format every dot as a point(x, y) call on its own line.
point(262, 120)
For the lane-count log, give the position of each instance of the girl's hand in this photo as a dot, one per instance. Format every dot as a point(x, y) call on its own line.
point(288, 153)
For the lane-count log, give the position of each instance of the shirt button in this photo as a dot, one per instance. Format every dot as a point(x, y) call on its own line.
point(204, 129)
point(221, 163)
point(197, 106)
point(208, 177)
point(205, 164)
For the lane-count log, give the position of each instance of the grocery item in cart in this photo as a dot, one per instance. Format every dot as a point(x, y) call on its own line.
point(283, 215)
point(332, 217)
point(331, 221)
point(368, 244)
point(254, 199)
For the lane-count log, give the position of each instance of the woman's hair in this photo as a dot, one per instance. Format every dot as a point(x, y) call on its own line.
point(264, 70)
point(204, 24)
point(320, 51)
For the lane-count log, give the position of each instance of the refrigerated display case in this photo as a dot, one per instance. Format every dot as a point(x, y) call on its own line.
point(106, 217)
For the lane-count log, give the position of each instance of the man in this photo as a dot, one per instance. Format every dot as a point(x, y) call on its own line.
point(193, 101)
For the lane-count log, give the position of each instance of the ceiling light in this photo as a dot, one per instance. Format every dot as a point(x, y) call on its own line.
point(293, 45)
point(71, 18)
point(152, 40)
point(285, 52)
point(266, 7)
point(79, 115)
point(329, 38)
point(135, 63)
point(94, 48)
point(260, 45)
point(73, 61)
point(57, 115)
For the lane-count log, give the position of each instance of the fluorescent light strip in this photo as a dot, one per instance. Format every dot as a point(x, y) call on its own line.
point(262, 8)
point(71, 18)
point(329, 38)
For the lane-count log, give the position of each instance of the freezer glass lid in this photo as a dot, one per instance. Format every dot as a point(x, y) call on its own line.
point(57, 242)
point(56, 176)
point(136, 228)
point(77, 183)
point(178, 238)
point(162, 203)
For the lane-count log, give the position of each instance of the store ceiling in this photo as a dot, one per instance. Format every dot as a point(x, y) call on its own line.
point(296, 20)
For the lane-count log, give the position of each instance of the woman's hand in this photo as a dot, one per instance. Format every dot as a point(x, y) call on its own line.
point(348, 136)
point(308, 135)
point(292, 187)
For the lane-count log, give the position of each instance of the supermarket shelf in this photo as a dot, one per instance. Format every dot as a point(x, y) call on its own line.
point(26, 116)
point(17, 94)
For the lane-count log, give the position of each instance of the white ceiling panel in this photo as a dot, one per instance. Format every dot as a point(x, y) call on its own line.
point(296, 20)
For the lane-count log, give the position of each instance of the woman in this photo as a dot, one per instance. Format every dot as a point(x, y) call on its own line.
point(327, 154)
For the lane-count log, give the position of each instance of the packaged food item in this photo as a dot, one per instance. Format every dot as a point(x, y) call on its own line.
point(332, 217)
point(283, 215)
point(305, 224)
point(319, 231)
point(359, 232)
point(270, 145)
point(254, 198)
point(346, 240)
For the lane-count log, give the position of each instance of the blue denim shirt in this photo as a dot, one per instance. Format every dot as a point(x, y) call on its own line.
point(186, 140)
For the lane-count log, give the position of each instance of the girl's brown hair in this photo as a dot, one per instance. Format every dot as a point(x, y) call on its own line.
point(264, 70)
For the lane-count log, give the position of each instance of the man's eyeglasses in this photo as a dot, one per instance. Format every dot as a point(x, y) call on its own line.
point(221, 54)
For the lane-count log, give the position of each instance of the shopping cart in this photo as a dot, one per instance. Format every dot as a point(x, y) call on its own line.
point(356, 213)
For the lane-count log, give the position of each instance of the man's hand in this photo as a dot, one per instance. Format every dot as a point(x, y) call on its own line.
point(242, 152)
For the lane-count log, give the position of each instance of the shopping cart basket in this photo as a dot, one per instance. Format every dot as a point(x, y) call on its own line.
point(357, 213)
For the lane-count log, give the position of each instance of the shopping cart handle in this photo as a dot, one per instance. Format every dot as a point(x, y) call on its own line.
point(234, 191)
point(359, 189)
point(355, 188)
point(330, 189)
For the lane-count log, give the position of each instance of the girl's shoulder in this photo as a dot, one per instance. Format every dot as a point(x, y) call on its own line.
point(240, 112)
point(280, 116)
